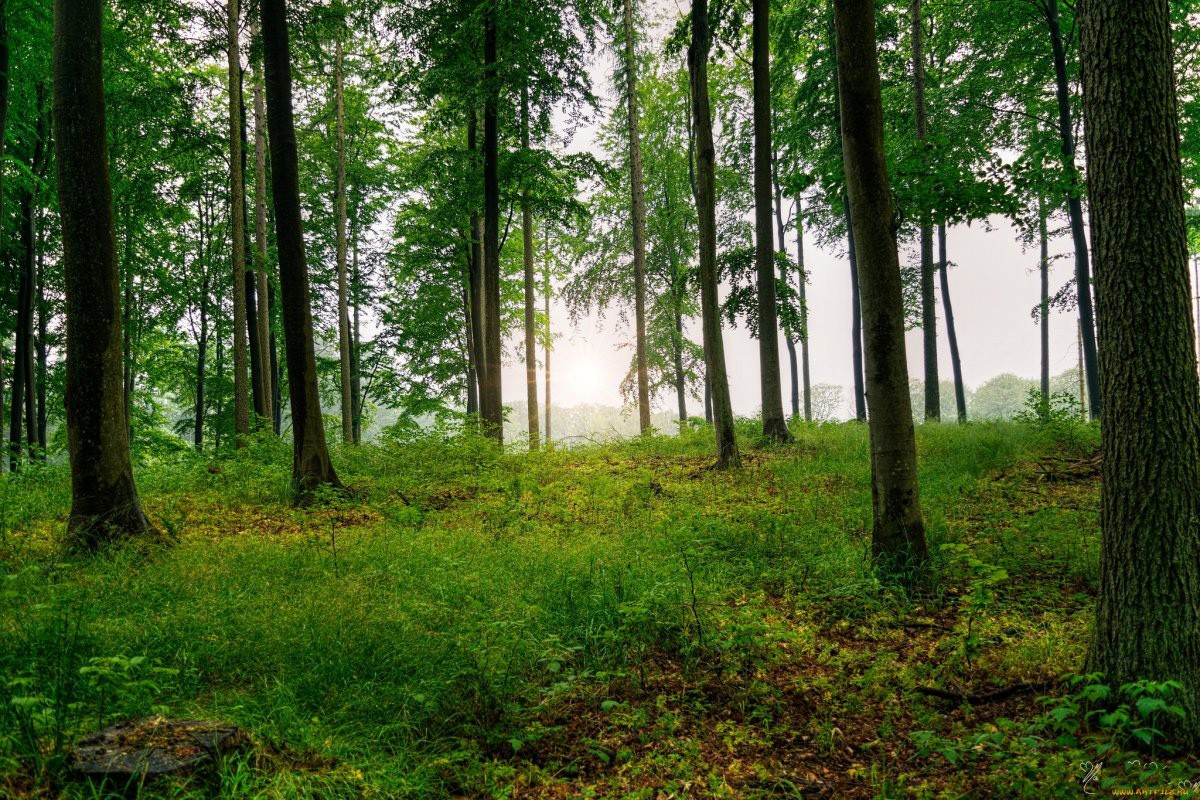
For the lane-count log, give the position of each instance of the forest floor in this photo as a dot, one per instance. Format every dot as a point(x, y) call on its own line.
point(610, 621)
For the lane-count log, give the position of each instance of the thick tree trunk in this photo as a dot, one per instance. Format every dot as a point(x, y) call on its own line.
point(933, 401)
point(960, 392)
point(706, 208)
point(803, 284)
point(311, 466)
point(1066, 130)
point(1044, 307)
point(898, 539)
point(531, 387)
point(343, 290)
point(491, 397)
point(781, 232)
point(104, 501)
point(269, 390)
point(856, 322)
point(774, 423)
point(237, 221)
point(638, 192)
point(1148, 613)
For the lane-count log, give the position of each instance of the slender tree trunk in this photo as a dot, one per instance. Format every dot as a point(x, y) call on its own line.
point(706, 205)
point(43, 344)
point(237, 221)
point(356, 397)
point(1044, 308)
point(342, 272)
point(856, 321)
point(899, 532)
point(127, 306)
point(548, 337)
point(251, 290)
point(472, 356)
point(16, 417)
point(531, 387)
point(1148, 612)
point(269, 390)
point(1066, 129)
point(774, 423)
point(276, 371)
point(201, 368)
point(960, 392)
point(639, 221)
point(680, 377)
point(311, 466)
point(781, 232)
point(491, 399)
point(933, 401)
point(476, 280)
point(803, 283)
point(4, 83)
point(104, 501)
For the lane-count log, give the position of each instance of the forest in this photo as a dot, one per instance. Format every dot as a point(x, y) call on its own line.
point(508, 399)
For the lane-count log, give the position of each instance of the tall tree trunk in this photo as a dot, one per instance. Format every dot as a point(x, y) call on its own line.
point(276, 371)
point(4, 84)
point(856, 321)
point(21, 351)
point(269, 390)
point(201, 366)
point(774, 423)
point(356, 398)
point(548, 338)
point(237, 222)
point(251, 291)
point(43, 344)
point(1148, 612)
point(898, 539)
point(32, 274)
point(476, 279)
point(933, 401)
point(803, 270)
point(960, 392)
point(781, 232)
point(491, 398)
point(531, 387)
point(706, 208)
point(104, 501)
point(680, 377)
point(343, 290)
point(638, 192)
point(1044, 307)
point(472, 354)
point(1066, 130)
point(311, 466)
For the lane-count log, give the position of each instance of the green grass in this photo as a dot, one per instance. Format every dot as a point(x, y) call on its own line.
point(612, 621)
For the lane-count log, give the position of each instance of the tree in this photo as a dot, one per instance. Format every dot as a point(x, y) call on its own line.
point(311, 466)
point(104, 501)
point(898, 538)
point(933, 410)
point(531, 387)
point(345, 356)
point(265, 342)
point(706, 196)
point(639, 220)
point(237, 217)
point(1148, 612)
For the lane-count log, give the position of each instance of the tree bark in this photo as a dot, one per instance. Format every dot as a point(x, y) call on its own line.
point(104, 502)
point(933, 401)
point(356, 398)
point(1066, 130)
point(237, 221)
point(311, 466)
point(774, 423)
point(783, 281)
point(4, 85)
point(269, 389)
point(531, 387)
point(856, 322)
point(491, 396)
point(547, 341)
point(1044, 308)
point(803, 284)
point(638, 192)
point(343, 290)
point(43, 345)
point(1148, 612)
point(898, 539)
point(476, 279)
point(706, 208)
point(256, 360)
point(960, 392)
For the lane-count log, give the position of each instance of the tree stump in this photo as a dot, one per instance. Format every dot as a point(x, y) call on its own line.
point(151, 747)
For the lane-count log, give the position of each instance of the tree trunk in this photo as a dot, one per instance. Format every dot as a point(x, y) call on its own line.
point(43, 344)
point(104, 501)
point(933, 401)
point(4, 83)
point(638, 192)
point(898, 539)
point(237, 223)
point(276, 372)
point(201, 364)
point(856, 321)
point(491, 398)
point(547, 340)
point(264, 345)
point(1148, 612)
point(476, 280)
point(774, 423)
point(802, 269)
point(356, 398)
point(21, 350)
point(471, 379)
point(343, 290)
point(256, 360)
point(1044, 308)
point(960, 392)
point(311, 466)
point(706, 208)
point(531, 387)
point(783, 281)
point(1066, 130)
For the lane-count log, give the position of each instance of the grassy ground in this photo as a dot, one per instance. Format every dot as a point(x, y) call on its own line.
point(614, 621)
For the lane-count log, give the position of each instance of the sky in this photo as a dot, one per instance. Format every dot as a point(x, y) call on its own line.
point(994, 284)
